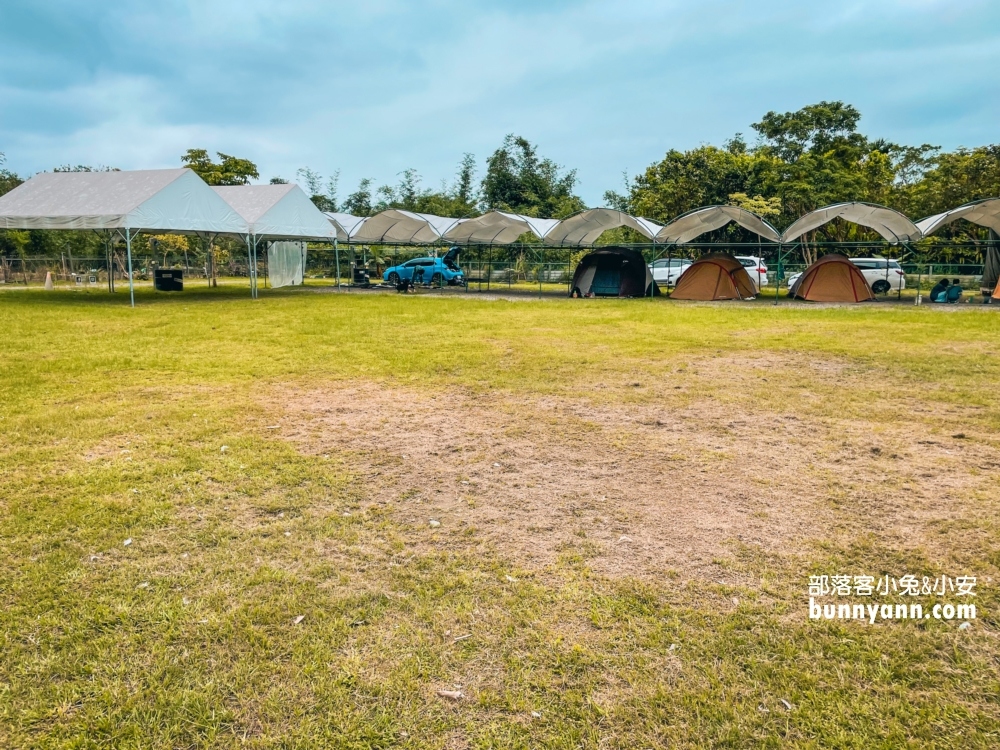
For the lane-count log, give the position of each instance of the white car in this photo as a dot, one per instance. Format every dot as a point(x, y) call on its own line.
point(668, 270)
point(882, 275)
point(756, 269)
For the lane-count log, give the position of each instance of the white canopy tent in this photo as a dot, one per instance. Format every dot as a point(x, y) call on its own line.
point(985, 213)
point(893, 226)
point(585, 227)
point(695, 223)
point(161, 201)
point(497, 228)
point(396, 226)
point(276, 212)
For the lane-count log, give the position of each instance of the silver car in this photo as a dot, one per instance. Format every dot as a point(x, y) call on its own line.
point(668, 270)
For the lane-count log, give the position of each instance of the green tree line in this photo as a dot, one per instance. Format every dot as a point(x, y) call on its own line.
point(811, 158)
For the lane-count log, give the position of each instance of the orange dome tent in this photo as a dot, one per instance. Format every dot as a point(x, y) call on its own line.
point(832, 278)
point(716, 276)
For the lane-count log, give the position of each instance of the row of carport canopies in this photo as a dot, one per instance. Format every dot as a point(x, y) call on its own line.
point(584, 228)
point(177, 200)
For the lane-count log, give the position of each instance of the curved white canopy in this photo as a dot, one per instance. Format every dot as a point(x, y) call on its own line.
point(156, 200)
point(497, 228)
point(985, 213)
point(346, 224)
point(278, 212)
point(695, 223)
point(404, 227)
point(585, 227)
point(892, 225)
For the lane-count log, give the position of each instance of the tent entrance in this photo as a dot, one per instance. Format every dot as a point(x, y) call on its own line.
point(607, 278)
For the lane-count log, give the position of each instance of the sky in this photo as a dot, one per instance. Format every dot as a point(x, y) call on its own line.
point(373, 87)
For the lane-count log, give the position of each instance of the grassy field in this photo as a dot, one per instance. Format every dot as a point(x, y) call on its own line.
point(292, 522)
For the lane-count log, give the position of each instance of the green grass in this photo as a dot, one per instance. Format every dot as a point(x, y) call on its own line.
point(111, 427)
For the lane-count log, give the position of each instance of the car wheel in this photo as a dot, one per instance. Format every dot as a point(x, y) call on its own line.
point(881, 287)
point(436, 279)
point(394, 279)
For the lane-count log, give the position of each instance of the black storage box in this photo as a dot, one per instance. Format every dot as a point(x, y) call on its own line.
point(361, 277)
point(168, 280)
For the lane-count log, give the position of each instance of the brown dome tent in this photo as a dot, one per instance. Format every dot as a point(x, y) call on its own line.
point(832, 278)
point(716, 276)
point(613, 272)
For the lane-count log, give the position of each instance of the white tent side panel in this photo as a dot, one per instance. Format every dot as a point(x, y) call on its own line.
point(286, 263)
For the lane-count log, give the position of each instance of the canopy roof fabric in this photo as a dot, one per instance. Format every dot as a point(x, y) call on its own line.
point(278, 212)
point(892, 225)
point(497, 228)
point(157, 200)
point(585, 227)
point(694, 223)
point(404, 227)
point(985, 213)
point(346, 224)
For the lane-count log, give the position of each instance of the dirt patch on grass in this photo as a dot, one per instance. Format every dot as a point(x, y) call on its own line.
point(658, 480)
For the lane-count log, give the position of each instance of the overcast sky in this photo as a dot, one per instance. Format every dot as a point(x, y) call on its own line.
point(372, 87)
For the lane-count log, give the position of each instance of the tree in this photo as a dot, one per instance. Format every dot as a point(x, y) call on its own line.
point(817, 128)
point(325, 198)
point(84, 168)
point(463, 189)
point(458, 200)
point(230, 170)
point(359, 203)
point(705, 176)
point(518, 180)
point(758, 204)
point(8, 180)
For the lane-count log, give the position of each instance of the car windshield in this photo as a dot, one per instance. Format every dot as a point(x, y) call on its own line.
point(747, 262)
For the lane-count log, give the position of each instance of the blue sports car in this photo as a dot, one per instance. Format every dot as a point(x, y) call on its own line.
point(435, 271)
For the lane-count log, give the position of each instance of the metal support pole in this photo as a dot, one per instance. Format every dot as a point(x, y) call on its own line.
point(336, 255)
point(778, 273)
point(249, 268)
point(540, 271)
point(128, 250)
point(899, 290)
point(670, 250)
point(109, 262)
point(652, 280)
